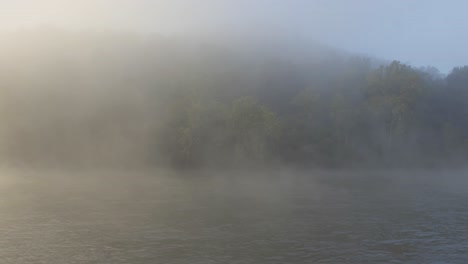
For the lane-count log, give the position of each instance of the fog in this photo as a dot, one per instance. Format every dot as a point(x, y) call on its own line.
point(417, 32)
point(268, 217)
point(105, 99)
point(233, 131)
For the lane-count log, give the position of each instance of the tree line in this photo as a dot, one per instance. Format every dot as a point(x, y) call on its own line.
point(74, 100)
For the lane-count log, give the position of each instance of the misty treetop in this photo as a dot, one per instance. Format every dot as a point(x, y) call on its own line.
point(117, 100)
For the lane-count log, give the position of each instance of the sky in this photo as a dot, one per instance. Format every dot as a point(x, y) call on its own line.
point(417, 32)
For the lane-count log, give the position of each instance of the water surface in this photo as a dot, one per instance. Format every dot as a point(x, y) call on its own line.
point(280, 217)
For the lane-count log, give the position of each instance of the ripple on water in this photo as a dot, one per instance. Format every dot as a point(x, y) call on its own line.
point(182, 222)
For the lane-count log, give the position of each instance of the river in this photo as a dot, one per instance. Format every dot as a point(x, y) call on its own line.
point(284, 216)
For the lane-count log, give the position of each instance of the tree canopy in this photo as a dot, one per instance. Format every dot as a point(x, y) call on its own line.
point(117, 101)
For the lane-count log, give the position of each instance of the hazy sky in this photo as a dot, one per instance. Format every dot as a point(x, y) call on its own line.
point(419, 32)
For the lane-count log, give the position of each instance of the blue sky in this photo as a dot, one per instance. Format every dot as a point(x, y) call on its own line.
point(414, 31)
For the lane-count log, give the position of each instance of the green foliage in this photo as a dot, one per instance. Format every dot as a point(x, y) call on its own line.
point(166, 104)
point(253, 128)
point(392, 96)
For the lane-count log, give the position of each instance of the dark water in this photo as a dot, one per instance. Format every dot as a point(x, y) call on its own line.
point(285, 217)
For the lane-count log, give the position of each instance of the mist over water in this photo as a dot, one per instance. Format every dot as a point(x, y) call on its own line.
point(274, 217)
point(232, 132)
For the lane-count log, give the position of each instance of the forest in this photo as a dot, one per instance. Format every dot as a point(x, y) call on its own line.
point(82, 99)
